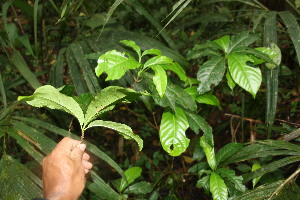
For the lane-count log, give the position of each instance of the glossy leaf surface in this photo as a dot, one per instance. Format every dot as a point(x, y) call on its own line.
point(131, 174)
point(160, 79)
point(218, 187)
point(209, 152)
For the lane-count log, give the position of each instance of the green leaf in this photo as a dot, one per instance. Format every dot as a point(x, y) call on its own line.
point(193, 54)
point(172, 132)
point(227, 151)
point(203, 183)
point(17, 181)
point(48, 96)
point(160, 79)
point(209, 152)
point(196, 122)
point(230, 81)
point(218, 187)
point(115, 64)
point(209, 99)
point(243, 39)
point(139, 188)
point(177, 69)
point(230, 175)
point(131, 174)
point(259, 55)
point(255, 166)
point(210, 74)
point(132, 44)
point(108, 97)
point(223, 42)
point(84, 101)
point(158, 60)
point(123, 129)
point(247, 77)
point(156, 52)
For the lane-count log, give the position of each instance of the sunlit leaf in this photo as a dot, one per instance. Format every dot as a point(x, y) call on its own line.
point(132, 44)
point(209, 152)
point(218, 187)
point(223, 42)
point(131, 174)
point(230, 175)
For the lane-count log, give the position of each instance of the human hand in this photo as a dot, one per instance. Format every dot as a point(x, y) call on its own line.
point(64, 170)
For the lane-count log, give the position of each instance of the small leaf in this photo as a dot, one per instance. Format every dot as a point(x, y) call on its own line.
point(223, 42)
point(209, 99)
point(255, 166)
point(156, 52)
point(177, 69)
point(218, 187)
point(123, 129)
point(142, 187)
point(241, 40)
point(133, 45)
point(131, 174)
point(210, 74)
point(236, 180)
point(172, 132)
point(115, 64)
point(202, 53)
point(196, 122)
point(158, 60)
point(203, 183)
point(48, 96)
point(247, 77)
point(230, 81)
point(209, 152)
point(160, 79)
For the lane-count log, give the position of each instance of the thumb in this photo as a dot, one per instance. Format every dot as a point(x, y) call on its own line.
point(78, 151)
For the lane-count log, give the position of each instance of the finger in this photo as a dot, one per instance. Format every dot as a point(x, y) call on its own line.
point(78, 151)
point(85, 156)
point(66, 145)
point(86, 171)
point(87, 164)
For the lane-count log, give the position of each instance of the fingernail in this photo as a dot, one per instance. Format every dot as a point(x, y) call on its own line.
point(82, 147)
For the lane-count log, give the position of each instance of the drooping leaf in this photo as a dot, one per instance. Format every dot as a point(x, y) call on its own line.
point(255, 166)
point(196, 122)
point(48, 96)
point(209, 152)
point(198, 53)
point(223, 42)
point(218, 187)
point(259, 55)
point(156, 52)
point(247, 77)
point(115, 64)
point(227, 151)
point(204, 183)
point(123, 129)
point(172, 132)
point(131, 174)
point(230, 175)
point(139, 188)
point(230, 81)
point(132, 44)
point(106, 98)
point(242, 39)
point(160, 79)
point(177, 69)
point(208, 98)
point(210, 74)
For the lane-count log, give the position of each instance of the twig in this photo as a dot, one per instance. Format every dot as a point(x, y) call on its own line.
point(285, 182)
point(70, 127)
point(295, 124)
point(245, 118)
point(15, 13)
point(291, 136)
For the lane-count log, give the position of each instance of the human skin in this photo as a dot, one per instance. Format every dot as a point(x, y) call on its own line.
point(64, 170)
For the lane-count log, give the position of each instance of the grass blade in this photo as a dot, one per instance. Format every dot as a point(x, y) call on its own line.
point(18, 60)
point(2, 91)
point(57, 70)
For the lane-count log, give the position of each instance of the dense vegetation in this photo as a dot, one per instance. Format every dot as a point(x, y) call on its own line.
point(175, 100)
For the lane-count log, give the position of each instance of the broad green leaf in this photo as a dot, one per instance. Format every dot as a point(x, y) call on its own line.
point(203, 183)
point(115, 64)
point(259, 55)
point(25, 41)
point(243, 39)
point(131, 174)
point(106, 98)
point(255, 166)
point(227, 151)
point(196, 122)
point(230, 81)
point(158, 60)
point(84, 101)
point(223, 42)
point(160, 79)
point(208, 98)
point(177, 69)
point(48, 96)
point(209, 152)
point(218, 187)
point(192, 91)
point(123, 129)
point(193, 54)
point(247, 77)
point(156, 52)
point(172, 132)
point(210, 74)
point(142, 187)
point(230, 175)
point(132, 44)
